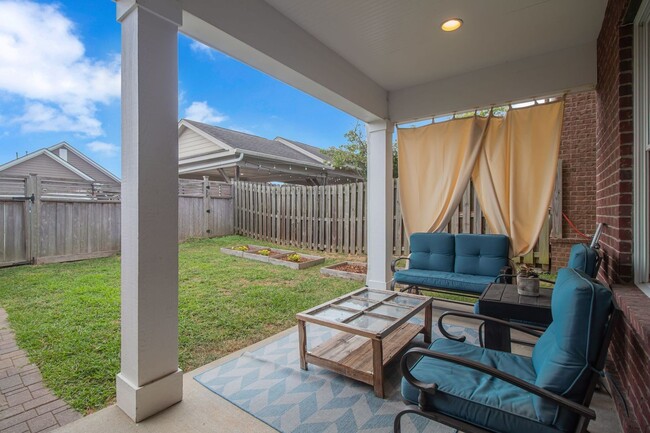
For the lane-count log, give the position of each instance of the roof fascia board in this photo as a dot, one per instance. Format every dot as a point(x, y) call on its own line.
point(207, 136)
point(300, 149)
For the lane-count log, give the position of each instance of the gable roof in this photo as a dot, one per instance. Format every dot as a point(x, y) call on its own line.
point(254, 145)
point(49, 152)
point(85, 158)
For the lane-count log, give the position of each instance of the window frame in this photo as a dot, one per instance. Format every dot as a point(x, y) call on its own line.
point(641, 203)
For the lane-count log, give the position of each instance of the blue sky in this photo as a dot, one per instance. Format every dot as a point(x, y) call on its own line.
point(59, 81)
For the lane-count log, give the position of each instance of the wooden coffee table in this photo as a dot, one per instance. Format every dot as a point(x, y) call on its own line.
point(375, 327)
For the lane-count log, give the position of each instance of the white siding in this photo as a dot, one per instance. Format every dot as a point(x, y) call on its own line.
point(192, 144)
point(43, 166)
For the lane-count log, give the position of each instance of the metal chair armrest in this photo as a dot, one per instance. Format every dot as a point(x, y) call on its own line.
point(394, 262)
point(430, 388)
point(516, 326)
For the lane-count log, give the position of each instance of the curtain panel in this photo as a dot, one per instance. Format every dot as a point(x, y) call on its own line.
point(432, 174)
point(511, 160)
point(515, 172)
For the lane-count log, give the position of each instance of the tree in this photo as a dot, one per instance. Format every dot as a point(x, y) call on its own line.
point(353, 155)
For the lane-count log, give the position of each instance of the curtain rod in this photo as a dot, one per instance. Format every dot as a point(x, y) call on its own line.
point(509, 104)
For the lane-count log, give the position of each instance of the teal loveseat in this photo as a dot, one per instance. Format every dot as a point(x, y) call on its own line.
point(479, 390)
point(461, 263)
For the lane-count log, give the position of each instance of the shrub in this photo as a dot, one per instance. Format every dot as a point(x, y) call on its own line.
point(294, 258)
point(264, 252)
point(240, 248)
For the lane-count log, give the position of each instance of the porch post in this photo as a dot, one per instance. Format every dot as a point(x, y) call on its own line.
point(380, 203)
point(149, 380)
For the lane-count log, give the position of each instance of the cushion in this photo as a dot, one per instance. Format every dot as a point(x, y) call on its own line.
point(481, 254)
point(564, 353)
point(476, 397)
point(583, 258)
point(432, 251)
point(474, 284)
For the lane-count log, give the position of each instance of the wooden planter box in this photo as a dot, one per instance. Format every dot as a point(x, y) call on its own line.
point(311, 261)
point(331, 271)
point(276, 257)
point(252, 255)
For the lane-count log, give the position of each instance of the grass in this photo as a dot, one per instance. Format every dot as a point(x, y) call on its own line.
point(67, 316)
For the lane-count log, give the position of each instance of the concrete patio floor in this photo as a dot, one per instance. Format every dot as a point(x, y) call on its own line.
point(202, 411)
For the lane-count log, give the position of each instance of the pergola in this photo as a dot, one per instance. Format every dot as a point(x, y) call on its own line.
point(382, 61)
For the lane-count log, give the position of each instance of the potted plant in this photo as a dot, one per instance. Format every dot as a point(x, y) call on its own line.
point(527, 281)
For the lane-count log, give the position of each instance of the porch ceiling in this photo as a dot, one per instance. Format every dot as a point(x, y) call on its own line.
point(379, 59)
point(399, 43)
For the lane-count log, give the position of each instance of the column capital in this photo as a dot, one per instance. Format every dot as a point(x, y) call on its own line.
point(168, 10)
point(379, 125)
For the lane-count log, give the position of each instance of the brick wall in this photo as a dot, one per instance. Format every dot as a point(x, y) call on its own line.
point(614, 142)
point(578, 155)
point(629, 363)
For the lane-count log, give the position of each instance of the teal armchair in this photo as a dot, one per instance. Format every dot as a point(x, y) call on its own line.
point(479, 390)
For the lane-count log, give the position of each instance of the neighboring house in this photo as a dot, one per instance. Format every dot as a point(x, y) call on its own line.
point(59, 161)
point(224, 154)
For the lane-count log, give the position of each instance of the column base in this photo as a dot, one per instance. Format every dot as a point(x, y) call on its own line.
point(141, 402)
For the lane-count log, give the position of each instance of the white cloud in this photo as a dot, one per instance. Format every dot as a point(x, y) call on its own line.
point(44, 61)
point(202, 112)
point(201, 48)
point(105, 149)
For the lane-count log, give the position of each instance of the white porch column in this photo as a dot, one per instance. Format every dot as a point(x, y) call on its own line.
point(150, 379)
point(380, 203)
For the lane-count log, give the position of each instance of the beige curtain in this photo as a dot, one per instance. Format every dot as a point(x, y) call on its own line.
point(435, 166)
point(515, 172)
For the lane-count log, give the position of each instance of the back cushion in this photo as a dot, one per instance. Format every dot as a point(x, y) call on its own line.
point(481, 254)
point(564, 353)
point(583, 258)
point(432, 251)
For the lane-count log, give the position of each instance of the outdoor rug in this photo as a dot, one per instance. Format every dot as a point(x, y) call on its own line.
point(269, 384)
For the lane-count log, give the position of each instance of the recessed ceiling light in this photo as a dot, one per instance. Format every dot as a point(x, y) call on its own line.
point(451, 24)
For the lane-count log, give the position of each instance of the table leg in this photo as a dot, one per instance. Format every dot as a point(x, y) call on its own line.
point(497, 337)
point(428, 322)
point(302, 343)
point(378, 368)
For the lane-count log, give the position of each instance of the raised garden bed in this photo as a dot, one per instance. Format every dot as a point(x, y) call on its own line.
point(302, 261)
point(274, 256)
point(348, 270)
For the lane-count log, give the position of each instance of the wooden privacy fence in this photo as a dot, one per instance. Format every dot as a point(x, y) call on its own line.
point(47, 220)
point(333, 218)
point(205, 209)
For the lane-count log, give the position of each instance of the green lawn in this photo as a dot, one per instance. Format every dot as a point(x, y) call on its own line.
point(66, 316)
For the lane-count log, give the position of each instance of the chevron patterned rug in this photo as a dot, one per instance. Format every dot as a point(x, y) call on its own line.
point(269, 384)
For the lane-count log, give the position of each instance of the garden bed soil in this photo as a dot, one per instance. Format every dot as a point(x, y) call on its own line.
point(348, 270)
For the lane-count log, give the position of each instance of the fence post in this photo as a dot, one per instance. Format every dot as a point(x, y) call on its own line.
point(205, 221)
point(33, 187)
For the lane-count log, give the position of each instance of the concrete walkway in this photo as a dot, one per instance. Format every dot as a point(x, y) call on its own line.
point(26, 405)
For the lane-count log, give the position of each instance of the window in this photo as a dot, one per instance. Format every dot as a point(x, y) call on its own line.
point(641, 257)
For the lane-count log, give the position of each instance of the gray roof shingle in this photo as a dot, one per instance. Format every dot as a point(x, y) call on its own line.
point(252, 143)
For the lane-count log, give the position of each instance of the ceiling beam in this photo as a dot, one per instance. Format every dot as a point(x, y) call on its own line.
point(257, 34)
point(563, 71)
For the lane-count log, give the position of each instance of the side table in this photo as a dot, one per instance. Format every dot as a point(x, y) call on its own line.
point(503, 302)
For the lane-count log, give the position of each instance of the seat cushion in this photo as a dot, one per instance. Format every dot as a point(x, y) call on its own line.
point(432, 252)
point(583, 258)
point(473, 284)
point(481, 254)
point(564, 354)
point(476, 397)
